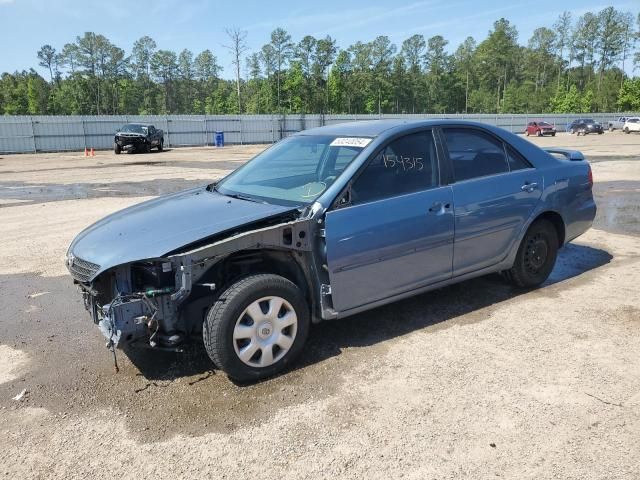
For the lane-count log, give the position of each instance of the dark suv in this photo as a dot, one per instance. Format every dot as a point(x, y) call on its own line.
point(140, 137)
point(583, 126)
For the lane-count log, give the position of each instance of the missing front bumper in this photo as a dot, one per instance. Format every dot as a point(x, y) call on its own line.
point(126, 322)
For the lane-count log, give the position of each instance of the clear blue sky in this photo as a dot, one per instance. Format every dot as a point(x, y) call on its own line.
point(25, 25)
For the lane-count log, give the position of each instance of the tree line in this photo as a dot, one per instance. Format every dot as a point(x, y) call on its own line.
point(574, 65)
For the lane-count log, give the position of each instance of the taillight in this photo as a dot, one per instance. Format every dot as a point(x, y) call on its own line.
point(590, 177)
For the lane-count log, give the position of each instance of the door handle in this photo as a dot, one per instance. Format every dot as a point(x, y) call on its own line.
point(529, 187)
point(439, 207)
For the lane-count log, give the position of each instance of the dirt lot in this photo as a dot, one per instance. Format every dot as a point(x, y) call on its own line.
point(472, 381)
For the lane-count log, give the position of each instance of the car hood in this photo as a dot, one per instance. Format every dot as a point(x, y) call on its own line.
point(154, 228)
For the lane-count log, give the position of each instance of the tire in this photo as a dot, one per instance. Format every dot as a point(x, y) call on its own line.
point(536, 255)
point(146, 148)
point(526, 132)
point(553, 134)
point(611, 129)
point(539, 133)
point(116, 149)
point(161, 145)
point(230, 329)
point(572, 131)
point(626, 130)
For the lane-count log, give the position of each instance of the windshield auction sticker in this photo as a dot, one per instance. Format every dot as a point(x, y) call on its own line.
point(360, 142)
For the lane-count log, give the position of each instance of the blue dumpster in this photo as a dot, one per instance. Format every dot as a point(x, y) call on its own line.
point(219, 139)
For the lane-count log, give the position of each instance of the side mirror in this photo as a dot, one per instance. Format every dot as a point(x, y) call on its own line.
point(344, 199)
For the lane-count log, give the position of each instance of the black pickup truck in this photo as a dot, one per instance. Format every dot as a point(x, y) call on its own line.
point(141, 137)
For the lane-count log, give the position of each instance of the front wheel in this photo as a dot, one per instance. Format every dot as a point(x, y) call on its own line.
point(536, 255)
point(539, 133)
point(626, 130)
point(257, 327)
point(117, 149)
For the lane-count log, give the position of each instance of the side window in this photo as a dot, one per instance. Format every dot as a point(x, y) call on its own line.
point(516, 161)
point(474, 153)
point(407, 164)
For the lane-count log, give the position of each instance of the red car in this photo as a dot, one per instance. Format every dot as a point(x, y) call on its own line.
point(540, 129)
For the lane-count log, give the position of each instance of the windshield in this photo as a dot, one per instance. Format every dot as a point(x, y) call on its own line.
point(544, 124)
point(589, 120)
point(294, 171)
point(133, 128)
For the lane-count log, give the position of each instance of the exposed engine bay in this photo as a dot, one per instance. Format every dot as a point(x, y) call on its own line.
point(160, 303)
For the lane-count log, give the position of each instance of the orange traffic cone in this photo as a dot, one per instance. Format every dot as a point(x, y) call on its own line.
point(86, 152)
point(93, 154)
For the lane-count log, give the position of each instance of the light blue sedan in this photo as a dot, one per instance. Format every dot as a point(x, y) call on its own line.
point(325, 224)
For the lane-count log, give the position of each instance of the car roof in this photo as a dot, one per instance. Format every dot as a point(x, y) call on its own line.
point(375, 128)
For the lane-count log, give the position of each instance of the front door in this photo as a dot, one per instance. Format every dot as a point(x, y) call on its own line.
point(396, 234)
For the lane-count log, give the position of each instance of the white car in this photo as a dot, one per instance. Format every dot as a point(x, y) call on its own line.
point(631, 125)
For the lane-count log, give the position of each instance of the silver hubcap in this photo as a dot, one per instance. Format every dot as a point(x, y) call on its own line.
point(265, 331)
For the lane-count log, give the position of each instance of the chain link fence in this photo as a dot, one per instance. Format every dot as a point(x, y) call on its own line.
point(24, 134)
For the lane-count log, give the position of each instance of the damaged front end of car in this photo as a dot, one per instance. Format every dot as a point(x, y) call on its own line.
point(130, 303)
point(161, 302)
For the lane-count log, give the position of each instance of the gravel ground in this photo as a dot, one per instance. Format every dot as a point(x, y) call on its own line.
point(476, 380)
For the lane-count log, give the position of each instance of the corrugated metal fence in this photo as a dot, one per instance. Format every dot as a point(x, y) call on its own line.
point(22, 134)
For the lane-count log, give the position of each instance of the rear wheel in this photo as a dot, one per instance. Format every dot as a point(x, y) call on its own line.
point(536, 255)
point(161, 145)
point(257, 327)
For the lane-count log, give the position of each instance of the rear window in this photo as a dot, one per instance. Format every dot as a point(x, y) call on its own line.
point(474, 153)
point(516, 161)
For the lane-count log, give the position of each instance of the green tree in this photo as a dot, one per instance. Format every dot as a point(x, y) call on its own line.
point(47, 58)
point(629, 96)
point(164, 68)
point(412, 54)
point(282, 50)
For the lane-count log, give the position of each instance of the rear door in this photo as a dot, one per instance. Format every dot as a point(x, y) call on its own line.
point(396, 231)
point(495, 191)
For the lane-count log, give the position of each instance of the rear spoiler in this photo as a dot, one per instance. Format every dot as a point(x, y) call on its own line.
point(573, 155)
